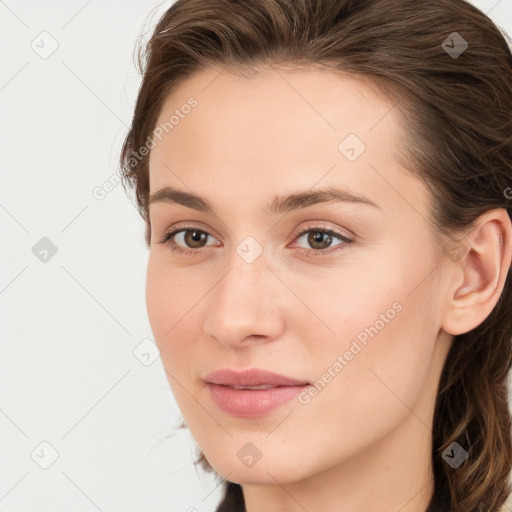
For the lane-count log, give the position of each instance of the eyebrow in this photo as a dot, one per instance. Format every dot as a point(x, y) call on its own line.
point(278, 204)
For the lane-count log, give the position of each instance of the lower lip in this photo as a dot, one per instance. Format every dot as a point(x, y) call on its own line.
point(249, 403)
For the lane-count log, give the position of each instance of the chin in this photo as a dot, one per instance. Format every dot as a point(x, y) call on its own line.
point(265, 471)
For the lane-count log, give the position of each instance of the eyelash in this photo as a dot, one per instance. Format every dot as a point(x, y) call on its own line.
point(167, 239)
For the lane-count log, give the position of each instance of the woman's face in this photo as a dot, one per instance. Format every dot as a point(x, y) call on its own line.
point(356, 313)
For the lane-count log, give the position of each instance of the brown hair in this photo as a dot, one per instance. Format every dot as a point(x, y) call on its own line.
point(457, 114)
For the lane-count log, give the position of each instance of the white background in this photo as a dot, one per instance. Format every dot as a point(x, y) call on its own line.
point(69, 327)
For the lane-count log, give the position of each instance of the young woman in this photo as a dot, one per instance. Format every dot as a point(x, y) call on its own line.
point(327, 192)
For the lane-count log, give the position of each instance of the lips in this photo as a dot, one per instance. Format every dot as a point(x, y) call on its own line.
point(251, 393)
point(253, 378)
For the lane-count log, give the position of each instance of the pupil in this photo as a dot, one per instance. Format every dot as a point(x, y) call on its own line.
point(193, 237)
point(318, 237)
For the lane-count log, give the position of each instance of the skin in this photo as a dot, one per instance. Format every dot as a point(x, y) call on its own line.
point(363, 443)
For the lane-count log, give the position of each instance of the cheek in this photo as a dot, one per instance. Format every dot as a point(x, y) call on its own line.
point(382, 353)
point(167, 301)
point(174, 298)
point(170, 295)
point(159, 295)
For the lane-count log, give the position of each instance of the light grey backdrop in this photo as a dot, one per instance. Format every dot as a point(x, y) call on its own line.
point(85, 405)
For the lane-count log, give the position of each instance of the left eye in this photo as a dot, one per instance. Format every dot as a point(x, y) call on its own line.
point(192, 239)
point(321, 238)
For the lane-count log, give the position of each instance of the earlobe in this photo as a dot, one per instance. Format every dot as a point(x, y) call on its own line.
point(480, 274)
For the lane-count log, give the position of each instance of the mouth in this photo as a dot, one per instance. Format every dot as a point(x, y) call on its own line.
point(252, 393)
point(262, 386)
point(252, 378)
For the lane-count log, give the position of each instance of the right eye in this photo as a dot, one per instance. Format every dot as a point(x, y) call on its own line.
point(190, 237)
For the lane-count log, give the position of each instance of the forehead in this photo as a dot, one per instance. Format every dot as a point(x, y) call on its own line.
point(290, 101)
point(280, 129)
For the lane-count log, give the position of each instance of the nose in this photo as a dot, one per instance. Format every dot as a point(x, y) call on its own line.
point(245, 305)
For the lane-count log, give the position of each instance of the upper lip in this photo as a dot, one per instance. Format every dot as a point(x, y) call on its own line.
point(251, 377)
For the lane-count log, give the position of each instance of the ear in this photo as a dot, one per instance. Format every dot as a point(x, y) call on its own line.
point(478, 268)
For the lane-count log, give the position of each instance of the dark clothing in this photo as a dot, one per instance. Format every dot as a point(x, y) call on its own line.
point(233, 500)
